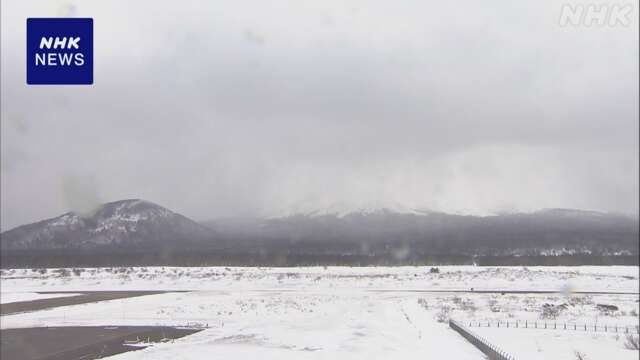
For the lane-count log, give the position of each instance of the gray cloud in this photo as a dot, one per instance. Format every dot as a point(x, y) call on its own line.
point(255, 108)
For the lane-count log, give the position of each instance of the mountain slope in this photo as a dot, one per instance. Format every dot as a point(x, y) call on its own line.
point(124, 224)
point(546, 232)
point(136, 232)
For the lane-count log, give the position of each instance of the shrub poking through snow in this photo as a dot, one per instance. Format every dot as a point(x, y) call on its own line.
point(468, 305)
point(62, 272)
point(580, 355)
point(422, 302)
point(607, 310)
point(443, 314)
point(550, 311)
point(493, 305)
point(632, 342)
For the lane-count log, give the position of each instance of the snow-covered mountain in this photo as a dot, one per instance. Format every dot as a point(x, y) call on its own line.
point(339, 209)
point(124, 224)
point(136, 231)
point(375, 231)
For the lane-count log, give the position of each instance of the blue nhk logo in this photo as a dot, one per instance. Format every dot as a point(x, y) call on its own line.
point(56, 58)
point(59, 51)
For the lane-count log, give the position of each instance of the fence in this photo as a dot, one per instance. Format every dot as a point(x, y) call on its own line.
point(528, 324)
point(492, 351)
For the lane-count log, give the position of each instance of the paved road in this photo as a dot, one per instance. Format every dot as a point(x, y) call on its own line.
point(86, 297)
point(79, 342)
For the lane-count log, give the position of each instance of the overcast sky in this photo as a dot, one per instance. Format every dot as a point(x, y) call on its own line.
point(242, 108)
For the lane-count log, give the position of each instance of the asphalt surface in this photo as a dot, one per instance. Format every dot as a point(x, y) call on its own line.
point(86, 297)
point(80, 342)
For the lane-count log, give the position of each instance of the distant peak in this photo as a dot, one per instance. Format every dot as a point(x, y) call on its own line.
point(129, 202)
point(570, 212)
point(127, 208)
point(341, 210)
point(128, 222)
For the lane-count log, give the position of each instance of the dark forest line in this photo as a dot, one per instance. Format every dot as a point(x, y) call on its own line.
point(31, 259)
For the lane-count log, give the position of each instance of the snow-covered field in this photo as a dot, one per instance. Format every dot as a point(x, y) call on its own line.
point(532, 344)
point(341, 312)
point(580, 278)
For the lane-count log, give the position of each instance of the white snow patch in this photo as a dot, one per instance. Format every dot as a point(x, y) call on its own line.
point(535, 344)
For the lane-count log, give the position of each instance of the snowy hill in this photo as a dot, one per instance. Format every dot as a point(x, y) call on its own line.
point(124, 224)
point(385, 230)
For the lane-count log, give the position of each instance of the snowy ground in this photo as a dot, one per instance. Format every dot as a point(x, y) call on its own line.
point(341, 312)
point(582, 278)
point(532, 344)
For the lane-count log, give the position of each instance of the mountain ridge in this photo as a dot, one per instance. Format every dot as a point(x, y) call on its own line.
point(143, 227)
point(130, 222)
